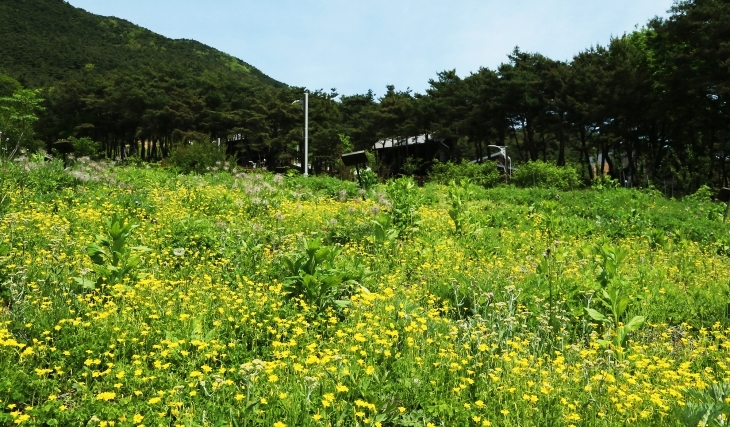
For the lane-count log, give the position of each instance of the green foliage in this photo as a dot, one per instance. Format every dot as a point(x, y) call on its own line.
point(709, 407)
point(484, 174)
point(617, 302)
point(546, 175)
point(228, 278)
point(199, 158)
point(347, 146)
point(315, 278)
point(605, 182)
point(368, 178)
point(4, 289)
point(112, 256)
point(85, 147)
point(383, 231)
point(18, 114)
point(412, 165)
point(610, 259)
point(405, 199)
point(703, 195)
point(322, 184)
point(614, 297)
point(37, 175)
point(98, 44)
point(191, 234)
point(8, 86)
point(460, 194)
point(48, 177)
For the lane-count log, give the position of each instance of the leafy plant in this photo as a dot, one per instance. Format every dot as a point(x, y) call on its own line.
point(314, 278)
point(368, 178)
point(709, 407)
point(199, 157)
point(459, 195)
point(384, 230)
point(4, 290)
point(484, 174)
point(605, 182)
point(412, 165)
point(85, 147)
point(405, 199)
point(18, 114)
point(112, 257)
point(617, 303)
point(610, 259)
point(547, 175)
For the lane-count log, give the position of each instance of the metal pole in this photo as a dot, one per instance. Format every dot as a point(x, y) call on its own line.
point(506, 171)
point(359, 180)
point(510, 168)
point(306, 133)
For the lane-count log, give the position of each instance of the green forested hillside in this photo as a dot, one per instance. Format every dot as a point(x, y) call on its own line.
point(650, 107)
point(45, 41)
point(117, 83)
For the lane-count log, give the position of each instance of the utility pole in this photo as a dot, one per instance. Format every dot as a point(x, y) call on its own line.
point(306, 133)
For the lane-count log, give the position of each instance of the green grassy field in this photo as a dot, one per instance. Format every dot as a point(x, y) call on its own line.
point(133, 297)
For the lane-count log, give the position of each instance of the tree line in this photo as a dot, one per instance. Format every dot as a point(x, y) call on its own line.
point(649, 106)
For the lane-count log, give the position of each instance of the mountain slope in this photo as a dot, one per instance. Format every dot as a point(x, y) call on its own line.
point(45, 41)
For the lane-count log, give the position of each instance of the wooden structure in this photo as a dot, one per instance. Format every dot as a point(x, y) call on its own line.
point(393, 153)
point(356, 159)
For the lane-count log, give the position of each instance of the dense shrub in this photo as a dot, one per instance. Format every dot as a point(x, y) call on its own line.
point(369, 179)
point(485, 174)
point(546, 175)
point(85, 147)
point(37, 176)
point(197, 158)
point(323, 184)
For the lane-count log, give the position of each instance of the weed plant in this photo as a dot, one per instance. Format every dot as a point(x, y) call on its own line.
point(263, 300)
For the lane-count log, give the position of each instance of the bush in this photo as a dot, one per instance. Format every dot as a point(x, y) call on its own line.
point(704, 194)
point(485, 174)
point(323, 184)
point(546, 175)
point(85, 147)
point(197, 158)
point(369, 179)
point(43, 178)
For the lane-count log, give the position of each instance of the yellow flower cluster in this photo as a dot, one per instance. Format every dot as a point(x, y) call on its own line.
point(442, 330)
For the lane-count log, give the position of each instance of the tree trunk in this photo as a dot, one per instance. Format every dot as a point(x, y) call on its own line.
point(517, 142)
point(561, 142)
point(583, 140)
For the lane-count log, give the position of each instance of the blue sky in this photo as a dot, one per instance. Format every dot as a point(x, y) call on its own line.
point(359, 45)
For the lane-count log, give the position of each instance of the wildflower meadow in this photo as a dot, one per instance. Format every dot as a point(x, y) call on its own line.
point(133, 296)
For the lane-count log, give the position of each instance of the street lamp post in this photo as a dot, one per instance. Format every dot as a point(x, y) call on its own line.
point(306, 133)
point(503, 152)
point(305, 107)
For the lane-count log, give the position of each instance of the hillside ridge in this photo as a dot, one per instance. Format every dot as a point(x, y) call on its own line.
point(46, 41)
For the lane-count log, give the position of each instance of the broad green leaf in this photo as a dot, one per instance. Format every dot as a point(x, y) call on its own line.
point(635, 323)
point(595, 315)
point(97, 254)
point(603, 343)
point(342, 303)
point(133, 261)
point(622, 304)
point(85, 283)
